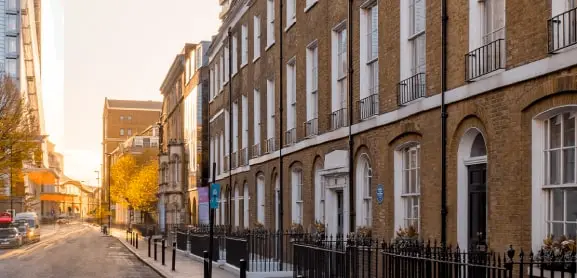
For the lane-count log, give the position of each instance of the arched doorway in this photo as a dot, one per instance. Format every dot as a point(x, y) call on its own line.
point(472, 190)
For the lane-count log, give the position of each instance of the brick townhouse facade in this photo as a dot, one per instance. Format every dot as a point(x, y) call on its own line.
point(182, 167)
point(510, 98)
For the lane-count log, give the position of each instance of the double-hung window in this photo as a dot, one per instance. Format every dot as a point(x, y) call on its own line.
point(417, 9)
point(226, 62)
point(411, 189)
point(297, 196)
point(291, 102)
point(270, 110)
point(312, 80)
point(291, 10)
point(256, 39)
point(560, 184)
point(222, 72)
point(270, 17)
point(369, 71)
point(244, 45)
point(339, 77)
point(372, 19)
point(260, 199)
point(256, 123)
point(234, 54)
point(246, 199)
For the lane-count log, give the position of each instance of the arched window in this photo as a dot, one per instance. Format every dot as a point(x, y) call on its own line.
point(319, 195)
point(478, 148)
point(246, 209)
point(164, 172)
point(260, 200)
point(560, 185)
point(411, 186)
point(364, 197)
point(236, 206)
point(297, 196)
point(176, 172)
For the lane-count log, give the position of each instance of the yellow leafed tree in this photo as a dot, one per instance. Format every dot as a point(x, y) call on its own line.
point(121, 175)
point(143, 188)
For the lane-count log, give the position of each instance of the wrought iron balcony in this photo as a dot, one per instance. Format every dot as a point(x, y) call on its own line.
point(311, 127)
point(244, 157)
point(411, 88)
point(485, 59)
point(270, 145)
point(290, 136)
point(369, 106)
point(339, 118)
point(562, 30)
point(255, 150)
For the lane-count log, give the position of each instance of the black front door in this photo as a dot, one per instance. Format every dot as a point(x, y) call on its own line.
point(477, 206)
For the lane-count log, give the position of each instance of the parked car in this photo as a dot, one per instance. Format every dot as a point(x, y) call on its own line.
point(62, 220)
point(31, 218)
point(10, 237)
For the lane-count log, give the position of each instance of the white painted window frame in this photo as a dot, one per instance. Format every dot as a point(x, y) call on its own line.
point(297, 196)
point(256, 37)
point(244, 45)
point(312, 68)
point(270, 17)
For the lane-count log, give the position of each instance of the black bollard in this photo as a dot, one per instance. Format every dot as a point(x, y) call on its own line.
point(173, 256)
point(131, 238)
point(136, 240)
point(149, 240)
point(163, 246)
point(127, 235)
point(155, 250)
point(206, 269)
point(242, 268)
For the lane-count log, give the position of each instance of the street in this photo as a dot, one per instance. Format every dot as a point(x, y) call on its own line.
point(74, 250)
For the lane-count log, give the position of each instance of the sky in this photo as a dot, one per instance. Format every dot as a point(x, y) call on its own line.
point(119, 49)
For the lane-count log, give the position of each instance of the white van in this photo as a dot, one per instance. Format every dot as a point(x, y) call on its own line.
point(33, 222)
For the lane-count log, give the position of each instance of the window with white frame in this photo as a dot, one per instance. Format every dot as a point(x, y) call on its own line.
point(291, 15)
point(227, 131)
point(411, 188)
point(226, 61)
point(244, 108)
point(212, 94)
point(291, 93)
point(340, 68)
point(260, 199)
point(223, 76)
point(370, 16)
point(212, 154)
point(256, 35)
point(222, 151)
point(319, 196)
point(236, 206)
point(560, 184)
point(270, 108)
point(310, 3)
point(234, 54)
point(234, 137)
point(493, 20)
point(217, 79)
point(176, 163)
point(244, 45)
point(256, 117)
point(417, 39)
point(364, 198)
point(297, 195)
point(223, 207)
point(246, 206)
point(270, 17)
point(312, 80)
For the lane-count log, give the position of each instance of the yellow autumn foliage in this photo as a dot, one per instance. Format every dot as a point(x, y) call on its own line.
point(134, 184)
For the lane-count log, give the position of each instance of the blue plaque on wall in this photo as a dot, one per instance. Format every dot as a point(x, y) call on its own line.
point(380, 193)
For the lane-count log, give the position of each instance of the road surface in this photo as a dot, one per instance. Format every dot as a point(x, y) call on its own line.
point(74, 251)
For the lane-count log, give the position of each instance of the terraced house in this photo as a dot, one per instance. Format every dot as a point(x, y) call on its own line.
point(459, 122)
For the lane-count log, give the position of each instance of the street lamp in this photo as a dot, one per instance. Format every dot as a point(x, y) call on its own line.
point(109, 200)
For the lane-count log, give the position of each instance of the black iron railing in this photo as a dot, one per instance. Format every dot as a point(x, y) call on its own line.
point(270, 145)
point(236, 249)
point(181, 240)
point(369, 106)
point(311, 127)
point(411, 88)
point(244, 157)
point(485, 59)
point(562, 30)
point(339, 118)
point(255, 150)
point(290, 136)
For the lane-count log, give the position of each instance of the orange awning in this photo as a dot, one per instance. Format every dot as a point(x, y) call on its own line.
point(55, 197)
point(41, 175)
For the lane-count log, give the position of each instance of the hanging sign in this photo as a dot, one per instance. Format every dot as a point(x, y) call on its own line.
point(214, 195)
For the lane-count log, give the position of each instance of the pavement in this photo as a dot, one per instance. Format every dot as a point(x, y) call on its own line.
point(184, 267)
point(74, 250)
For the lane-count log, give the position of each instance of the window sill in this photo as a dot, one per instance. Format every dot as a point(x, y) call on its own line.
point(243, 65)
point(255, 59)
point(290, 25)
point(310, 6)
point(269, 46)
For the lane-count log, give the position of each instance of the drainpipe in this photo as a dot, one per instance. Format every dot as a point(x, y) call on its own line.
point(350, 114)
point(281, 170)
point(229, 127)
point(444, 19)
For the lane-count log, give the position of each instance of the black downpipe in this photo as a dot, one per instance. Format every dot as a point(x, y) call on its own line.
point(444, 20)
point(281, 170)
point(350, 114)
point(229, 191)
